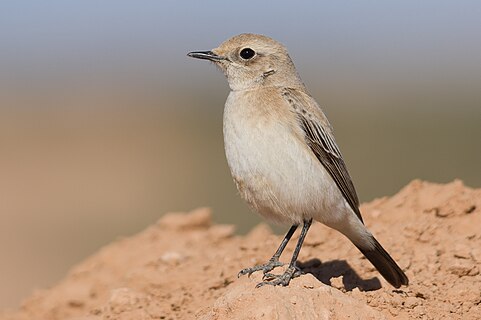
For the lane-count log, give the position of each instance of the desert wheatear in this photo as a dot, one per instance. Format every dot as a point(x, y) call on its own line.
point(282, 154)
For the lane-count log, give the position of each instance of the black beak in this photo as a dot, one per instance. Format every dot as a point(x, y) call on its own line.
point(207, 55)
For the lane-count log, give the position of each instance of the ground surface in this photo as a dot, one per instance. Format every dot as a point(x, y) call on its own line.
point(186, 267)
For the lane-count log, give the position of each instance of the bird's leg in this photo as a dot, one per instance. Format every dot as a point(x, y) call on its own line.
point(274, 261)
point(292, 271)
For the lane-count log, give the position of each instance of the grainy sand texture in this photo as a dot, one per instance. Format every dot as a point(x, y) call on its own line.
point(185, 267)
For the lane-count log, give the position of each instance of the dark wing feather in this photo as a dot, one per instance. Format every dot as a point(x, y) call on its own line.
point(324, 147)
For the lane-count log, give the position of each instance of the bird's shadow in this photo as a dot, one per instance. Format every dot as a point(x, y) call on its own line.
point(325, 271)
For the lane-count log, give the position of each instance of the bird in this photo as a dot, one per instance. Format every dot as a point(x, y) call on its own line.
point(282, 154)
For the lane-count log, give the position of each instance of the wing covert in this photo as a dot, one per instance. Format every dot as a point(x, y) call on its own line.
point(324, 147)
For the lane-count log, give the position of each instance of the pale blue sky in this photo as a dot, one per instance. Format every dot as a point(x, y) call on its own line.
point(331, 41)
point(64, 30)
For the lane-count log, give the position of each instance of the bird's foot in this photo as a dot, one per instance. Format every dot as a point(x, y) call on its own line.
point(266, 267)
point(280, 279)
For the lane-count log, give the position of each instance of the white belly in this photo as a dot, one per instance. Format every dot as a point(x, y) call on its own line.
point(275, 172)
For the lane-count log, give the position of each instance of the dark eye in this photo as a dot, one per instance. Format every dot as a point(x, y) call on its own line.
point(247, 53)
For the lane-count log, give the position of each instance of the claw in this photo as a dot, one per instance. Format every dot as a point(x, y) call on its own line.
point(244, 272)
point(269, 266)
point(281, 279)
point(268, 276)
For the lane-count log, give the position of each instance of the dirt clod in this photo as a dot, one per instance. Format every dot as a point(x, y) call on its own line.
point(186, 267)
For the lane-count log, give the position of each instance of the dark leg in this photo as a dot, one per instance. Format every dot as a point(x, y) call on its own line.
point(292, 271)
point(274, 261)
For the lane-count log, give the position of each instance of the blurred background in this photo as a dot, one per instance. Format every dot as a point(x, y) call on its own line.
point(105, 124)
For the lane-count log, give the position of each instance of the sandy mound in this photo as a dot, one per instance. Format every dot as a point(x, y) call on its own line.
point(185, 267)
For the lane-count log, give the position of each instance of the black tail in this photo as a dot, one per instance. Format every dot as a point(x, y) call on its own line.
point(385, 264)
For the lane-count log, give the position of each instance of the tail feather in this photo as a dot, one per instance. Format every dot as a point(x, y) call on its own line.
point(385, 264)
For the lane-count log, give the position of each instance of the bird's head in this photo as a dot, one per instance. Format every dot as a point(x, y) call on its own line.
point(250, 61)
